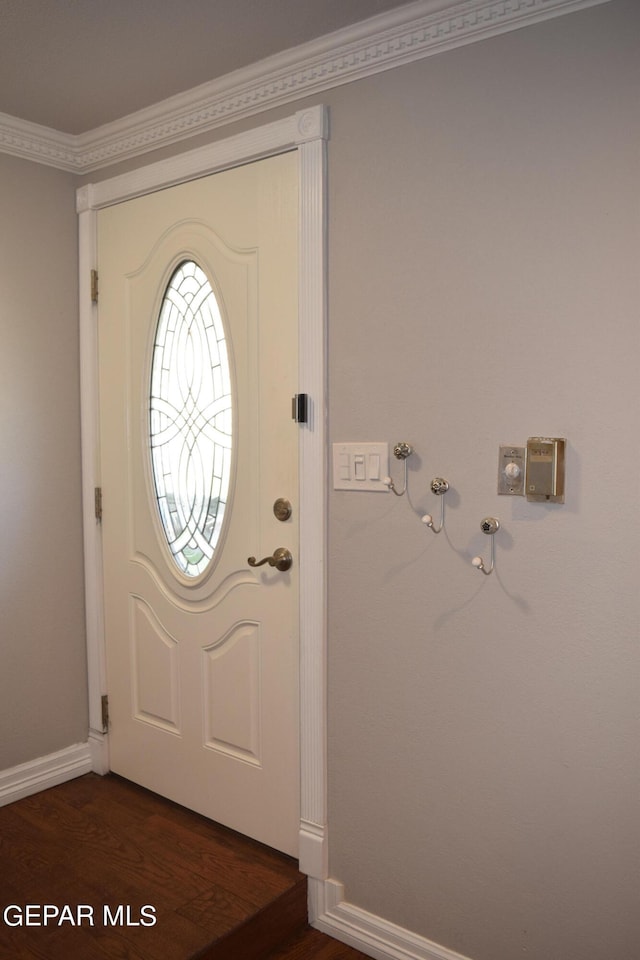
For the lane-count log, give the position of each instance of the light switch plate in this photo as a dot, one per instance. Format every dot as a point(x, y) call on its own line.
point(360, 466)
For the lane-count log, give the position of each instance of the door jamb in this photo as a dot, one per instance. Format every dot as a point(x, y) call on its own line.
point(306, 132)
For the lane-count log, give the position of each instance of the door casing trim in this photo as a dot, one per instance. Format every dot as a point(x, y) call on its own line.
point(306, 132)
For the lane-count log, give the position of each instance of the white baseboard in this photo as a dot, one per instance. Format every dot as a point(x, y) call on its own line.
point(365, 931)
point(45, 772)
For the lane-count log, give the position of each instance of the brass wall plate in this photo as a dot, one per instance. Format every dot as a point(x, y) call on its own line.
point(544, 481)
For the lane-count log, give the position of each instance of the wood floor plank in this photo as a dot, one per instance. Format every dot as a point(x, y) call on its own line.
point(310, 944)
point(50, 944)
point(241, 873)
point(217, 911)
point(258, 935)
point(102, 841)
point(61, 886)
point(173, 938)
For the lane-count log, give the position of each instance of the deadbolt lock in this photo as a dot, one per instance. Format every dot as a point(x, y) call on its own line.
point(282, 509)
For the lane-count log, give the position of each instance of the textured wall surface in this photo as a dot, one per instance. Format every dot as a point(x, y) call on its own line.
point(484, 289)
point(43, 693)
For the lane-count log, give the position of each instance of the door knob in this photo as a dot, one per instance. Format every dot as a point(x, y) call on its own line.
point(281, 559)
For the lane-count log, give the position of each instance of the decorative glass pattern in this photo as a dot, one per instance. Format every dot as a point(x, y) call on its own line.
point(191, 419)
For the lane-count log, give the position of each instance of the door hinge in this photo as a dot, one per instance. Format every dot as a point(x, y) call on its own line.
point(94, 286)
point(98, 503)
point(105, 713)
point(300, 408)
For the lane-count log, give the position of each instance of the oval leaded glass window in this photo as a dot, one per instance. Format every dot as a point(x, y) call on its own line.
point(191, 419)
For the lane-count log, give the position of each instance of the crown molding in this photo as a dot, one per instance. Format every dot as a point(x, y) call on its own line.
point(31, 141)
point(408, 33)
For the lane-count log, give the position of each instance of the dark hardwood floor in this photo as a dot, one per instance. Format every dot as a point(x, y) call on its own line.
point(136, 877)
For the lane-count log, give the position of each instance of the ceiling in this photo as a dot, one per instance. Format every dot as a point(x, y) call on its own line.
point(77, 64)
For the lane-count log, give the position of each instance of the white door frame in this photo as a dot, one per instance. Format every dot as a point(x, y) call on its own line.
point(306, 132)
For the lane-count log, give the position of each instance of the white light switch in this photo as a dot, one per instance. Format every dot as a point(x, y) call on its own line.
point(360, 466)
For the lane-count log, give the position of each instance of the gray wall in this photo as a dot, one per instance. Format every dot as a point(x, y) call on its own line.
point(485, 288)
point(484, 232)
point(43, 695)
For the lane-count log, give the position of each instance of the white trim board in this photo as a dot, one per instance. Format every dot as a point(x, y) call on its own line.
point(305, 132)
point(410, 32)
point(44, 772)
point(373, 935)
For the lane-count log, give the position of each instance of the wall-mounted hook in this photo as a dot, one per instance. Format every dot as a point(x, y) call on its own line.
point(489, 526)
point(439, 486)
point(401, 451)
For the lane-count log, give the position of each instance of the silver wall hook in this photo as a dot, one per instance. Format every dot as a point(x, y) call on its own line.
point(439, 486)
point(401, 451)
point(490, 526)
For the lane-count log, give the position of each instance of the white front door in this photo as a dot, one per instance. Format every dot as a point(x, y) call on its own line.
point(202, 649)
